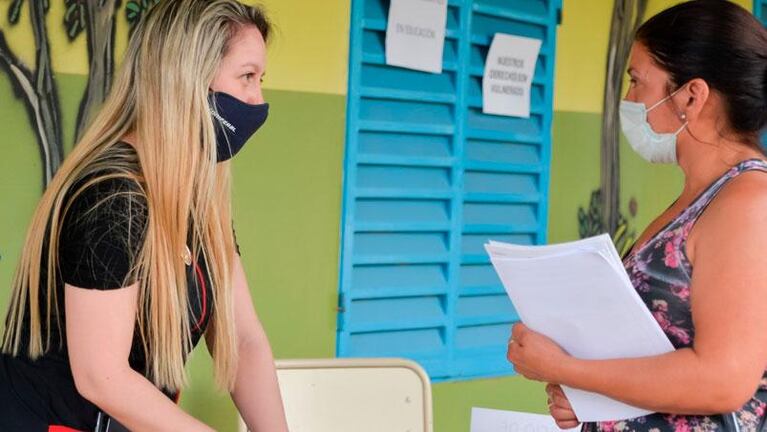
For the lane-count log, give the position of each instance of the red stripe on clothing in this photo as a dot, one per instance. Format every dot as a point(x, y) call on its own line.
point(61, 429)
point(201, 280)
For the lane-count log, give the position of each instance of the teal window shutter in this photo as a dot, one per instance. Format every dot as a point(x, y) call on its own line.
point(760, 10)
point(428, 178)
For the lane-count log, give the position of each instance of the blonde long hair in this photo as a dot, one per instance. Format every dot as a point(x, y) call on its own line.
point(160, 95)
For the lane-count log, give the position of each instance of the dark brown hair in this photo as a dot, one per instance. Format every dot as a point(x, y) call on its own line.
point(721, 43)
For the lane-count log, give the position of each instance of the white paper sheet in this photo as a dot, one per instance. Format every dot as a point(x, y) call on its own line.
point(580, 296)
point(491, 420)
point(415, 34)
point(509, 70)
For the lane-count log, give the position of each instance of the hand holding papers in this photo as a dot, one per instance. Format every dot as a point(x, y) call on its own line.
point(579, 295)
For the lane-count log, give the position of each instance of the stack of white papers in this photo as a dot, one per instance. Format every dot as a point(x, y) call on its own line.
point(579, 295)
point(491, 420)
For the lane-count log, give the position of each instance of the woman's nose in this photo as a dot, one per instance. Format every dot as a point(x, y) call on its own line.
point(256, 97)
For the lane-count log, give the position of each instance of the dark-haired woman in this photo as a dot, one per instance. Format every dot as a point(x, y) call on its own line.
point(698, 98)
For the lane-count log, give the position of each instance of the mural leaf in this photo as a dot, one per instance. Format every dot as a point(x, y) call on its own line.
point(591, 223)
point(135, 9)
point(74, 18)
point(14, 12)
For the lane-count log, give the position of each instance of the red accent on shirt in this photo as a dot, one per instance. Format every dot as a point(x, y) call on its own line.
point(204, 294)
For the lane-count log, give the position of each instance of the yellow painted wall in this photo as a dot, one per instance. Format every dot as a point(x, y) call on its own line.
point(309, 51)
point(310, 54)
point(69, 57)
point(582, 51)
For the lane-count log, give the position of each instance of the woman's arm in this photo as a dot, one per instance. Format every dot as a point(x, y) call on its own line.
point(729, 298)
point(256, 391)
point(99, 328)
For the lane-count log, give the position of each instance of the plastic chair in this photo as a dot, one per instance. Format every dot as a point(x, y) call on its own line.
point(355, 395)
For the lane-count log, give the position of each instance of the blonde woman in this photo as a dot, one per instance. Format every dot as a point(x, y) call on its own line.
point(130, 257)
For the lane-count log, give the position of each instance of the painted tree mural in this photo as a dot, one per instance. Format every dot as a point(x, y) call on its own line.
point(603, 213)
point(37, 87)
point(97, 19)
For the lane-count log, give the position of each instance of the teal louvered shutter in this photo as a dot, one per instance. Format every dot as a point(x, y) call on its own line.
point(760, 10)
point(428, 179)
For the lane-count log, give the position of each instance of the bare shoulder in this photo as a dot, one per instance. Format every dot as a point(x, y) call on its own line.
point(745, 195)
point(737, 214)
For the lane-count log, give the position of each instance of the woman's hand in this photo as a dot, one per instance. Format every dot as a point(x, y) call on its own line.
point(535, 356)
point(560, 408)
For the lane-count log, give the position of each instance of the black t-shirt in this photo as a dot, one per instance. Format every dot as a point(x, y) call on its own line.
point(102, 232)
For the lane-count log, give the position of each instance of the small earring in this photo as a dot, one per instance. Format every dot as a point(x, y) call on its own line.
point(683, 116)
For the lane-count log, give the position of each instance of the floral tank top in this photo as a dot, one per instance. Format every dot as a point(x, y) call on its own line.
point(662, 274)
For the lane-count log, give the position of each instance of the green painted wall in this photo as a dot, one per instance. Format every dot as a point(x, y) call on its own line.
point(287, 202)
point(297, 309)
point(287, 211)
point(287, 193)
point(20, 168)
point(574, 174)
point(287, 208)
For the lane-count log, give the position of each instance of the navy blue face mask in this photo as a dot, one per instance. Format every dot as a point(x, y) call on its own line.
point(235, 122)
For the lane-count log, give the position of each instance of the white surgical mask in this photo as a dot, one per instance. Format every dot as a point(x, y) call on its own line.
point(652, 146)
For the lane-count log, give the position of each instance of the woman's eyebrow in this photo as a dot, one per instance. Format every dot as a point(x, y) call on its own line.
point(254, 65)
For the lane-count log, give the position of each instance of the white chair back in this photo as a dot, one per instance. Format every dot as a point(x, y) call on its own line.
point(355, 395)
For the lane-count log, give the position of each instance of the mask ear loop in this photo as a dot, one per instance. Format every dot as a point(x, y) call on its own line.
point(215, 109)
point(660, 102)
point(664, 99)
point(684, 125)
point(682, 116)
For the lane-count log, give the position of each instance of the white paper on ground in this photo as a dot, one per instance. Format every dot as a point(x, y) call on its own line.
point(415, 34)
point(491, 420)
point(508, 77)
point(579, 295)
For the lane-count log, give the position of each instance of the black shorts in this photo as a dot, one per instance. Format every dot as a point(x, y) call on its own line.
point(14, 414)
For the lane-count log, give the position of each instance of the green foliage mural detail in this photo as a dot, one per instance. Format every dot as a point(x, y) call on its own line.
point(591, 223)
point(37, 88)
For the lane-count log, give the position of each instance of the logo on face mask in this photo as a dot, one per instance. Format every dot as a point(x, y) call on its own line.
point(652, 146)
point(223, 121)
point(235, 122)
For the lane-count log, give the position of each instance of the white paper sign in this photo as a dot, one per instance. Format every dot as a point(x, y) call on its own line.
point(490, 420)
point(509, 70)
point(415, 35)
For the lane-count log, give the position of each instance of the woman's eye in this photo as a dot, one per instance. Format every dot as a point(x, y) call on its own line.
point(249, 76)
